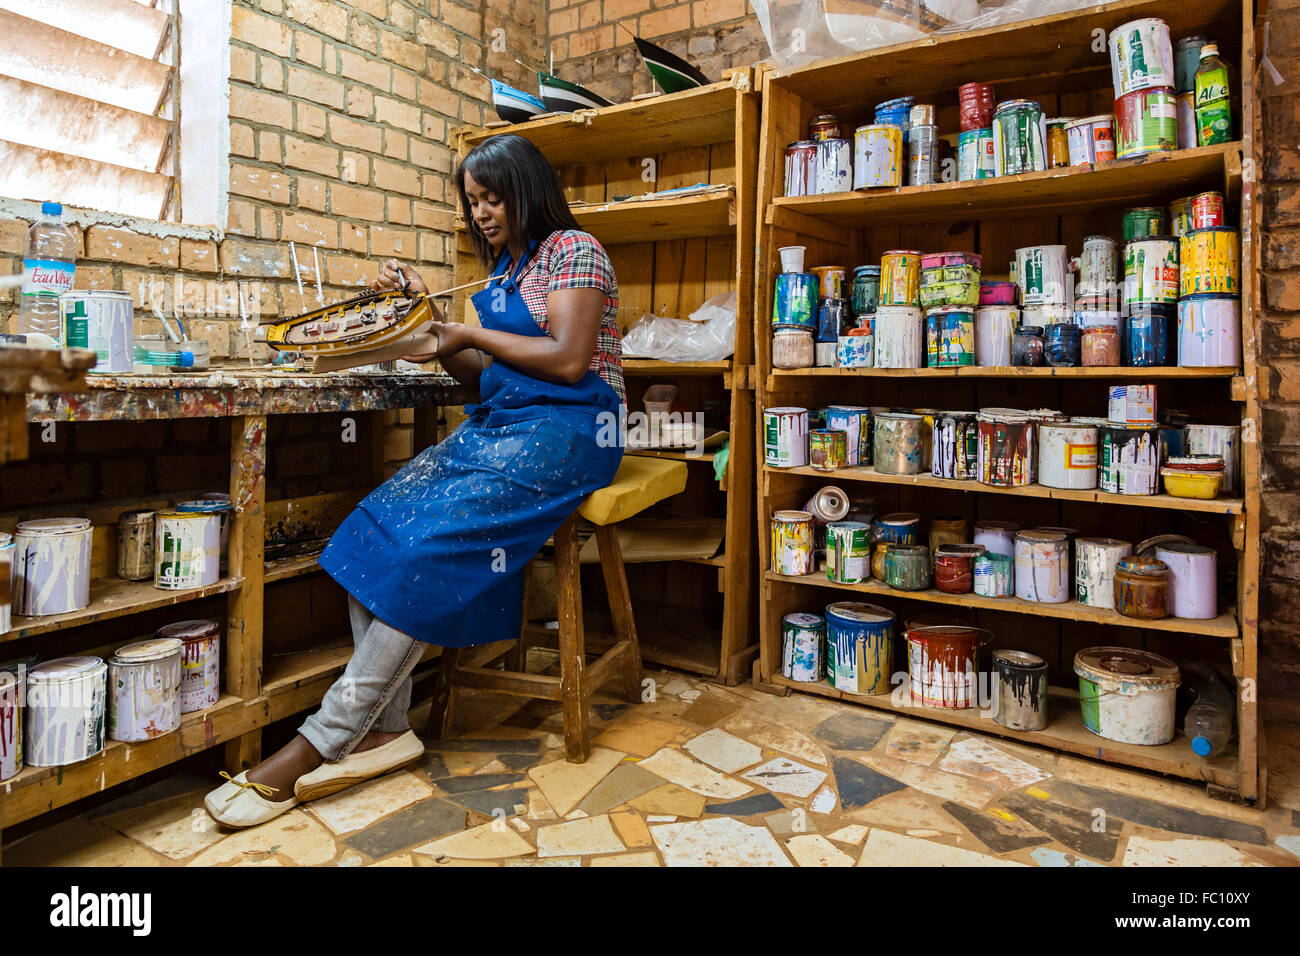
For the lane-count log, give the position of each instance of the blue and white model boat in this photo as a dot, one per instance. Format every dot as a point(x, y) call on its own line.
point(515, 106)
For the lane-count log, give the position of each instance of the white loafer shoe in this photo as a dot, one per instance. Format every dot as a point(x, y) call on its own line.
point(238, 803)
point(335, 775)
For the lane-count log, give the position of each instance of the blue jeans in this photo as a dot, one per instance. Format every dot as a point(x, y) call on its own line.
point(373, 692)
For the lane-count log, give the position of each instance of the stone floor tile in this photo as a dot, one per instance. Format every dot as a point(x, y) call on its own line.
point(538, 807)
point(784, 775)
point(747, 806)
point(78, 842)
point(491, 803)
point(670, 799)
point(850, 731)
point(1159, 816)
point(1290, 843)
point(860, 785)
point(579, 838)
point(718, 841)
point(295, 836)
point(981, 760)
point(814, 850)
point(790, 823)
point(774, 736)
point(358, 807)
point(402, 859)
point(492, 841)
point(1046, 856)
point(626, 781)
point(917, 742)
point(939, 783)
point(675, 767)
point(995, 832)
point(710, 708)
point(631, 829)
point(1069, 826)
point(1141, 851)
point(853, 834)
point(176, 828)
point(722, 751)
point(885, 848)
point(472, 782)
point(420, 823)
point(635, 734)
point(824, 802)
point(643, 858)
point(564, 784)
point(164, 790)
point(906, 809)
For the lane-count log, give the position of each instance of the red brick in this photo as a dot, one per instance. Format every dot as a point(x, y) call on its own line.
point(306, 48)
point(328, 18)
point(311, 193)
point(260, 31)
point(258, 183)
point(469, 22)
point(385, 241)
point(408, 54)
point(349, 270)
point(242, 140)
point(243, 64)
point(366, 71)
point(307, 228)
point(260, 107)
point(397, 113)
point(397, 177)
point(254, 259)
point(198, 255)
point(270, 74)
point(361, 103)
point(356, 168)
point(316, 157)
point(397, 145)
point(672, 20)
point(316, 87)
point(348, 132)
point(355, 238)
point(122, 245)
point(399, 211)
point(269, 149)
point(356, 203)
point(241, 218)
point(266, 224)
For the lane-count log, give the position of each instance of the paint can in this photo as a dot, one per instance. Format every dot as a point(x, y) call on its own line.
point(900, 277)
point(825, 354)
point(53, 566)
point(200, 640)
point(898, 446)
point(65, 711)
point(1067, 455)
point(848, 552)
point(855, 422)
point(896, 112)
point(1151, 271)
point(900, 527)
point(1180, 217)
point(1019, 138)
point(794, 305)
point(104, 322)
point(832, 320)
point(1132, 405)
point(1207, 211)
point(1143, 221)
point(975, 102)
point(1042, 567)
point(824, 126)
point(946, 529)
point(994, 575)
point(1209, 331)
point(1021, 689)
point(1098, 275)
point(785, 437)
point(1063, 345)
point(950, 336)
point(828, 505)
point(865, 291)
point(975, 155)
point(1099, 310)
point(830, 281)
point(1041, 273)
point(1193, 579)
point(998, 292)
point(801, 168)
point(923, 155)
point(13, 696)
point(899, 339)
point(1130, 460)
point(8, 577)
point(1146, 122)
point(859, 647)
point(954, 446)
point(144, 681)
point(950, 278)
point(997, 537)
point(954, 567)
point(1100, 346)
point(1141, 56)
point(1146, 334)
point(855, 350)
point(941, 664)
point(803, 639)
point(834, 173)
point(1142, 588)
point(187, 549)
point(1006, 445)
point(907, 567)
point(1094, 569)
point(1091, 140)
point(1127, 695)
point(878, 156)
point(792, 543)
point(993, 327)
point(1221, 440)
point(827, 449)
point(135, 545)
point(792, 348)
point(1209, 262)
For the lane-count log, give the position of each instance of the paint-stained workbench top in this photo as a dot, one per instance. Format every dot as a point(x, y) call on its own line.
point(233, 390)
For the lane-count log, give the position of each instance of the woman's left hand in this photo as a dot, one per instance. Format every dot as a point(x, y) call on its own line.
point(452, 337)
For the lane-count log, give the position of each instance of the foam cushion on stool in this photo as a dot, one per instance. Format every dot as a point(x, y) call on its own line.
point(638, 483)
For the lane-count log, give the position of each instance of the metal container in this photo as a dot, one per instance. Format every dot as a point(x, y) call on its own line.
point(898, 447)
point(950, 336)
point(899, 340)
point(1091, 139)
point(923, 155)
point(994, 575)
point(848, 552)
point(901, 527)
point(1142, 588)
point(834, 166)
point(1094, 569)
point(135, 534)
point(13, 695)
point(792, 348)
point(1042, 567)
point(878, 156)
point(827, 449)
point(1187, 58)
point(860, 647)
point(785, 437)
point(900, 277)
point(865, 291)
point(954, 447)
point(1209, 262)
point(200, 661)
point(803, 640)
point(187, 549)
point(1006, 446)
point(1041, 274)
point(1021, 690)
point(1130, 460)
point(1151, 271)
point(792, 543)
point(801, 168)
point(823, 127)
point(1019, 138)
point(950, 278)
point(1144, 221)
point(144, 682)
point(1147, 334)
point(65, 711)
point(1193, 579)
point(1098, 274)
point(1146, 122)
point(1141, 56)
point(855, 350)
point(52, 556)
point(941, 664)
point(1209, 331)
point(104, 322)
point(1221, 440)
point(993, 328)
point(8, 576)
point(794, 304)
point(1067, 456)
point(1127, 695)
point(855, 422)
point(954, 567)
point(975, 106)
point(976, 158)
point(907, 567)
point(1063, 345)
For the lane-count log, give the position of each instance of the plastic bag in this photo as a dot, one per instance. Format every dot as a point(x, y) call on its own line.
point(708, 336)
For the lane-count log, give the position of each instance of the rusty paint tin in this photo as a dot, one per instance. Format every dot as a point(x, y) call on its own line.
point(1142, 588)
point(828, 449)
point(954, 567)
point(200, 661)
point(792, 543)
point(135, 536)
point(941, 664)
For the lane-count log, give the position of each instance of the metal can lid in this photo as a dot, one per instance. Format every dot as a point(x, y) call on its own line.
point(1089, 120)
point(848, 525)
point(859, 612)
point(195, 630)
point(791, 516)
point(901, 518)
point(64, 668)
point(1041, 536)
point(144, 652)
point(1184, 548)
point(1062, 121)
point(173, 514)
point(1008, 105)
point(1126, 664)
point(804, 619)
point(959, 550)
point(896, 102)
point(997, 526)
point(1004, 416)
point(209, 507)
point(1209, 463)
point(1021, 660)
point(1104, 542)
point(909, 550)
point(1143, 566)
point(47, 526)
point(785, 410)
point(901, 252)
point(866, 270)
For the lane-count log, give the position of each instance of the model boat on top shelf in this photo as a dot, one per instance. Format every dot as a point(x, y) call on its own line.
point(561, 96)
point(515, 106)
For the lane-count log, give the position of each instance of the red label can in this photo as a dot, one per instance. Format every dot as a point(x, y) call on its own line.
point(1207, 210)
point(801, 168)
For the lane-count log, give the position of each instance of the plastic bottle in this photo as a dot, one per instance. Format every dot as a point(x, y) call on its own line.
point(1208, 724)
point(1213, 100)
point(49, 264)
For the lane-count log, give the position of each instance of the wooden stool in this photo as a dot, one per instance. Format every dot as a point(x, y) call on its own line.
point(639, 483)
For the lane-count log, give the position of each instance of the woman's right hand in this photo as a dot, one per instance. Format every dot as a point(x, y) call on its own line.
point(390, 278)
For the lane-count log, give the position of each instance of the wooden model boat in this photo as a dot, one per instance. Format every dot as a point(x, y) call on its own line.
point(515, 106)
point(670, 71)
point(364, 324)
point(561, 96)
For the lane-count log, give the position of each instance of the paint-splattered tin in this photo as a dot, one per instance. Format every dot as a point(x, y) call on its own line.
point(792, 348)
point(13, 694)
point(1019, 138)
point(792, 542)
point(860, 647)
point(1067, 455)
point(1206, 211)
point(1062, 345)
point(901, 527)
point(855, 422)
point(1091, 140)
point(65, 711)
point(1209, 331)
point(1042, 567)
point(1142, 588)
point(104, 322)
point(993, 328)
point(950, 278)
point(1146, 121)
point(1141, 56)
point(1130, 460)
point(1132, 405)
point(1193, 579)
point(218, 503)
point(865, 291)
point(848, 552)
point(923, 155)
point(824, 126)
point(834, 172)
point(878, 156)
point(899, 338)
point(832, 321)
point(1147, 334)
point(1127, 695)
point(997, 537)
point(998, 292)
point(794, 304)
point(896, 112)
point(785, 437)
point(1098, 274)
point(1186, 105)
point(803, 640)
point(898, 446)
point(187, 549)
point(1151, 271)
point(200, 661)
point(8, 574)
point(1094, 569)
point(801, 168)
point(1020, 681)
point(1006, 445)
point(1100, 346)
point(53, 566)
point(855, 350)
point(900, 277)
point(1041, 275)
point(1209, 262)
point(941, 664)
point(994, 575)
point(975, 155)
point(1221, 440)
point(954, 446)
point(1143, 222)
point(1180, 216)
point(135, 545)
point(144, 682)
point(907, 567)
point(950, 336)
point(830, 281)
point(954, 567)
point(827, 449)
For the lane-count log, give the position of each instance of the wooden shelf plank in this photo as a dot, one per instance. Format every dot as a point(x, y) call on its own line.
point(1225, 625)
point(294, 566)
point(650, 220)
point(788, 376)
point(113, 597)
point(674, 454)
point(635, 366)
point(1065, 731)
point(1053, 192)
point(1226, 506)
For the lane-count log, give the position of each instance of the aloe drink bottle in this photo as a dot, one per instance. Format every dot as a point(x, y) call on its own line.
point(1213, 103)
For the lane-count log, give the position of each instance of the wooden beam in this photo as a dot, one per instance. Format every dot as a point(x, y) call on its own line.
point(244, 608)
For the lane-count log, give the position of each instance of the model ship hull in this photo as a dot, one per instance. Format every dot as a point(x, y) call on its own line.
point(515, 106)
point(561, 96)
point(363, 324)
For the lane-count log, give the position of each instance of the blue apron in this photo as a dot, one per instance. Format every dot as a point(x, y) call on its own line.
point(438, 550)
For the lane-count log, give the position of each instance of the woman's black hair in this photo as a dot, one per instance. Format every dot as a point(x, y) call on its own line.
point(515, 170)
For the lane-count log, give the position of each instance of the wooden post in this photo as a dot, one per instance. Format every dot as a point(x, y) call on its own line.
point(620, 608)
point(573, 659)
point(247, 545)
point(13, 428)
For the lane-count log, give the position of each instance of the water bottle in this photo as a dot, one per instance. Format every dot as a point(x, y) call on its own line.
point(49, 262)
point(1208, 724)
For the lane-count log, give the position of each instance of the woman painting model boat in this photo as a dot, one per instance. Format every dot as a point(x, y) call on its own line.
point(436, 554)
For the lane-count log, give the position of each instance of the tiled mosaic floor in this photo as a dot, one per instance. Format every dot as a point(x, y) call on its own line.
point(705, 775)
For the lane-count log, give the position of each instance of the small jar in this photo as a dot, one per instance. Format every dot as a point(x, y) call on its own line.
point(865, 293)
point(1142, 588)
point(954, 567)
point(792, 348)
point(1027, 346)
point(878, 560)
point(1058, 143)
point(946, 529)
point(907, 567)
point(1061, 345)
point(135, 532)
point(825, 126)
point(1100, 345)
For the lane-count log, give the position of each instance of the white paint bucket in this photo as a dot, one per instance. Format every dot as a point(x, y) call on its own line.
point(993, 327)
point(1041, 275)
point(1067, 456)
point(1127, 695)
point(53, 566)
point(997, 537)
point(65, 711)
point(104, 322)
point(1042, 567)
point(1209, 331)
point(1094, 569)
point(187, 548)
point(1221, 440)
point(8, 571)
point(1193, 580)
point(218, 503)
point(899, 337)
point(144, 682)
point(200, 662)
point(13, 686)
point(785, 437)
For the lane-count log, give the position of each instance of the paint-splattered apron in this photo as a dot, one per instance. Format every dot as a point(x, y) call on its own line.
point(438, 550)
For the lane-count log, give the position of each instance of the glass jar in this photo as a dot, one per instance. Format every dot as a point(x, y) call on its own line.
point(907, 567)
point(1142, 588)
point(946, 529)
point(1100, 345)
point(1027, 346)
point(878, 560)
point(1061, 345)
point(865, 291)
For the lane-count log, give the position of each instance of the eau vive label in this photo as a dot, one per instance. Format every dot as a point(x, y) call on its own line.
point(47, 277)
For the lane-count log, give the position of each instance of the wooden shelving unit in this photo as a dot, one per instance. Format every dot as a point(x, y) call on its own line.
point(1056, 63)
point(671, 255)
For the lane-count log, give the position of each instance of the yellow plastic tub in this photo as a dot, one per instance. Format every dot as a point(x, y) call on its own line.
point(1191, 484)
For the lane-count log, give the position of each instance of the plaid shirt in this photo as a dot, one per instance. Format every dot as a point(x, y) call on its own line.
point(571, 259)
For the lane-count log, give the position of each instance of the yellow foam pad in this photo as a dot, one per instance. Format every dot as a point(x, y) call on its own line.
point(638, 484)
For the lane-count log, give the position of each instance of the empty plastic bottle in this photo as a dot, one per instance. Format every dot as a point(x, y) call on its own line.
point(49, 264)
point(1208, 724)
